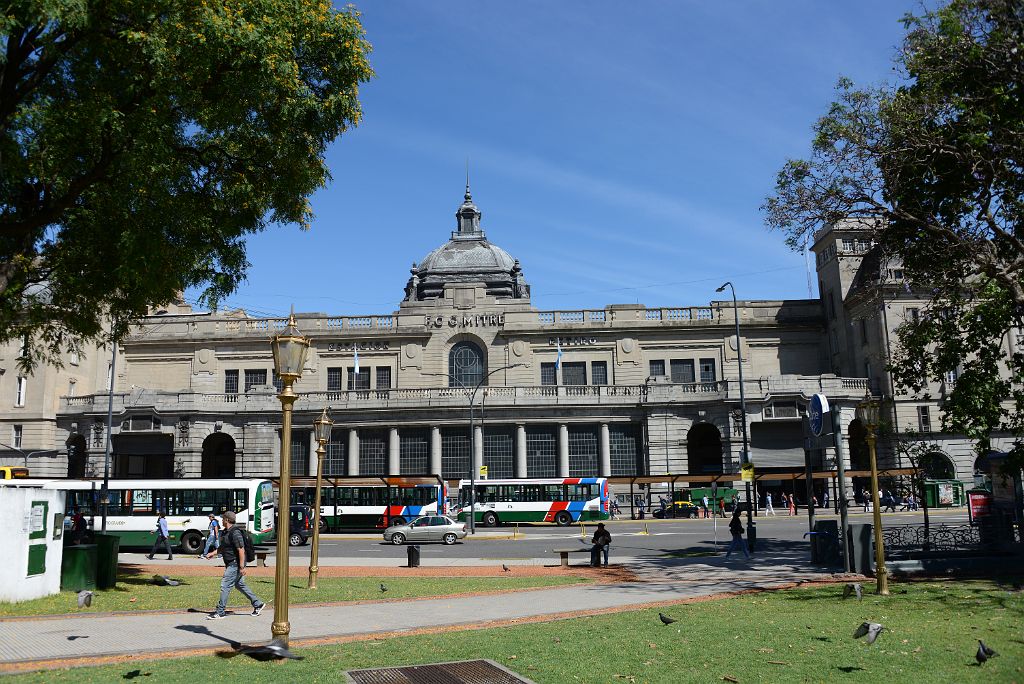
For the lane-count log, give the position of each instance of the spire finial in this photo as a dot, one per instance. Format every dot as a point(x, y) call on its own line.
point(468, 195)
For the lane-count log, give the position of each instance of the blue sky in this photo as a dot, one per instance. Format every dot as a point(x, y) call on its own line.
point(619, 150)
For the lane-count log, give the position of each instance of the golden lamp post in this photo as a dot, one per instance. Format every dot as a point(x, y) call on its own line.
point(322, 431)
point(868, 413)
point(289, 358)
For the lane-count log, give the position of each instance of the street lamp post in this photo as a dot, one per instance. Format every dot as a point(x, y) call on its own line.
point(868, 412)
point(322, 431)
point(289, 358)
point(744, 456)
point(472, 429)
point(27, 454)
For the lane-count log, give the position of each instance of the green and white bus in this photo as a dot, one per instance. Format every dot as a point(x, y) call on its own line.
point(562, 501)
point(134, 505)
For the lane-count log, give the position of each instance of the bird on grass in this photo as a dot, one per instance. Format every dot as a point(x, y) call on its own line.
point(869, 629)
point(505, 568)
point(84, 598)
point(984, 652)
point(665, 619)
point(275, 650)
point(383, 588)
point(165, 581)
point(853, 588)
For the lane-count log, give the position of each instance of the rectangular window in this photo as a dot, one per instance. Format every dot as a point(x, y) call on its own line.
point(847, 245)
point(384, 379)
point(499, 445)
point(454, 453)
point(231, 383)
point(574, 373)
point(582, 451)
point(413, 451)
point(373, 452)
point(657, 368)
point(682, 371)
point(831, 305)
point(75, 357)
point(913, 314)
point(16, 437)
point(598, 373)
point(541, 452)
point(924, 418)
point(359, 381)
point(278, 382)
point(110, 376)
point(300, 453)
point(334, 379)
point(255, 378)
point(335, 462)
point(548, 374)
point(952, 376)
point(22, 386)
point(623, 444)
point(863, 331)
point(707, 372)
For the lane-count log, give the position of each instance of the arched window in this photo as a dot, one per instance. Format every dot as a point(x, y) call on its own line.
point(466, 365)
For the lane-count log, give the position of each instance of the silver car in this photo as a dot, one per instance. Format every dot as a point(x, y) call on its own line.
point(426, 528)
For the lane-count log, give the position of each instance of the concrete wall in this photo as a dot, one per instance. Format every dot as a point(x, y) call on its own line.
point(15, 505)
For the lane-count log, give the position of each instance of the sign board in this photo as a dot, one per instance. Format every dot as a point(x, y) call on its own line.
point(747, 472)
point(945, 494)
point(816, 415)
point(979, 504)
point(483, 472)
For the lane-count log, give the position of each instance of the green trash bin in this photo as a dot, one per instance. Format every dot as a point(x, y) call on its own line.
point(107, 548)
point(78, 568)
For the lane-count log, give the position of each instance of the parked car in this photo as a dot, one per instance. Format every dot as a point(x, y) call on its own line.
point(426, 528)
point(679, 509)
point(300, 525)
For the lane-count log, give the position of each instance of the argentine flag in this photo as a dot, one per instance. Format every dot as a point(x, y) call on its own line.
point(357, 358)
point(558, 358)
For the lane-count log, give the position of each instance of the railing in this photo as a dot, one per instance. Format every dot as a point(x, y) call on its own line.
point(271, 326)
point(676, 315)
point(906, 538)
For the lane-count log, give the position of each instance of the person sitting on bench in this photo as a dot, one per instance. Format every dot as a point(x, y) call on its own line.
point(601, 541)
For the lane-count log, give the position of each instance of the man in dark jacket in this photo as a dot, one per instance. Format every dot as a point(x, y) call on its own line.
point(601, 541)
point(232, 550)
point(736, 529)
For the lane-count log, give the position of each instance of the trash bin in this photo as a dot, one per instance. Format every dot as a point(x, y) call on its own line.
point(751, 535)
point(78, 568)
point(107, 548)
point(826, 542)
point(861, 554)
point(414, 556)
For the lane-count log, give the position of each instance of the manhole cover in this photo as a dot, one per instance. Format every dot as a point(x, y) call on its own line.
point(460, 672)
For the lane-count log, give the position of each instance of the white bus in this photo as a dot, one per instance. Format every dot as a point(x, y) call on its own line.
point(134, 505)
point(562, 501)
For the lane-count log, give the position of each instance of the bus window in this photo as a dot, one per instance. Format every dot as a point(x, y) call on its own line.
point(554, 493)
point(239, 500)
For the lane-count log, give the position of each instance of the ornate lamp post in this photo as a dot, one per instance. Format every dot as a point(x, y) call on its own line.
point(289, 358)
point(868, 412)
point(322, 431)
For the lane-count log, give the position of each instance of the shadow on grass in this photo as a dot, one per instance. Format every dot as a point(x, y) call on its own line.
point(849, 669)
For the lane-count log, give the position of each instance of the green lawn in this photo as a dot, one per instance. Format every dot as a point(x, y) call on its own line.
point(203, 592)
point(791, 636)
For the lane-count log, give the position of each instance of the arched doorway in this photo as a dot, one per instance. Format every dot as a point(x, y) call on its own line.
point(938, 466)
point(466, 365)
point(77, 455)
point(218, 456)
point(704, 449)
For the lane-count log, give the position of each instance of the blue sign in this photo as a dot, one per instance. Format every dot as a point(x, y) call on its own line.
point(816, 414)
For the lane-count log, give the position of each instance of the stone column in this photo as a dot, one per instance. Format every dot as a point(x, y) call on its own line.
point(353, 452)
point(394, 452)
point(313, 458)
point(604, 452)
point(520, 451)
point(478, 450)
point(563, 450)
point(435, 450)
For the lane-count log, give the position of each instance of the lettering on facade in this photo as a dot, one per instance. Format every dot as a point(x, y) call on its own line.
point(484, 320)
point(366, 345)
point(571, 341)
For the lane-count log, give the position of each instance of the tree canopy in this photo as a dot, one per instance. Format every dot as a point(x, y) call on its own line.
point(140, 142)
point(934, 163)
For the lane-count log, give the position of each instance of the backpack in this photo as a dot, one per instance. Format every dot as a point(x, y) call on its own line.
point(735, 526)
point(250, 549)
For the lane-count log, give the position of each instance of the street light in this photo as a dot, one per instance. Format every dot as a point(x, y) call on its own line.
point(472, 429)
point(322, 431)
point(289, 358)
point(868, 412)
point(744, 456)
point(27, 454)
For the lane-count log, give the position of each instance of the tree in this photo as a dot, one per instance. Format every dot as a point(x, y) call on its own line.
point(141, 142)
point(933, 164)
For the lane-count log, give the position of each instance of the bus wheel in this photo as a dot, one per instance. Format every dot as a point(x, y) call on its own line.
point(191, 542)
point(562, 518)
point(489, 519)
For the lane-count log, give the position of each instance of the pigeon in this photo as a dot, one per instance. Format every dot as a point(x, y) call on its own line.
point(869, 629)
point(85, 599)
point(165, 581)
point(77, 636)
point(505, 568)
point(275, 650)
point(984, 652)
point(665, 619)
point(853, 588)
point(383, 588)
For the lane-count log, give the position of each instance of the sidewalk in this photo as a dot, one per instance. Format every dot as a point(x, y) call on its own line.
point(662, 580)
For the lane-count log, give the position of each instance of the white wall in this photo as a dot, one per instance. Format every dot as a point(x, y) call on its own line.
point(15, 505)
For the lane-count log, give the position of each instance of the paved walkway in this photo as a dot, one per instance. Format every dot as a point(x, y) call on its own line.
point(660, 580)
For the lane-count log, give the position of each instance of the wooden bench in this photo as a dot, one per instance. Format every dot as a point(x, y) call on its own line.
point(564, 553)
point(261, 557)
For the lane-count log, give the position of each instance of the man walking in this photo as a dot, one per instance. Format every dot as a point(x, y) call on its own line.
point(213, 538)
point(232, 550)
point(162, 536)
point(768, 510)
point(736, 529)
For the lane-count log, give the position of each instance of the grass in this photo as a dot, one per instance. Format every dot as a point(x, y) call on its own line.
point(203, 592)
point(801, 635)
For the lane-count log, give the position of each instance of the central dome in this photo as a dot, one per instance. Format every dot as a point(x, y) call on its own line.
point(467, 257)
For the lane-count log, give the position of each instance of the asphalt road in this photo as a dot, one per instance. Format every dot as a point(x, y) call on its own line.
point(629, 537)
